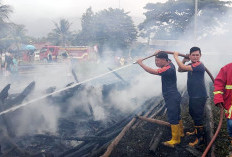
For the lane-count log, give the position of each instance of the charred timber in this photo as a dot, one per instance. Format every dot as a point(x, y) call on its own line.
point(5, 123)
point(86, 147)
point(157, 112)
point(89, 147)
point(157, 108)
point(65, 95)
point(4, 93)
point(146, 114)
point(13, 150)
point(193, 151)
point(155, 140)
point(123, 132)
point(124, 120)
point(85, 138)
point(119, 137)
point(112, 132)
point(9, 103)
point(156, 121)
point(99, 150)
point(74, 75)
point(157, 136)
point(19, 99)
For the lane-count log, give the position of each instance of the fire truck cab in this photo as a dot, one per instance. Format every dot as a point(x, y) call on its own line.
point(44, 52)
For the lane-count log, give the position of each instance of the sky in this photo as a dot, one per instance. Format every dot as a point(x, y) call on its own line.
point(38, 15)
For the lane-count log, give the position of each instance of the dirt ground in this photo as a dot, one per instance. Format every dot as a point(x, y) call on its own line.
point(136, 142)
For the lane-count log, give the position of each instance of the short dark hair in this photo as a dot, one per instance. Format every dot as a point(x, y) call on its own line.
point(162, 55)
point(193, 49)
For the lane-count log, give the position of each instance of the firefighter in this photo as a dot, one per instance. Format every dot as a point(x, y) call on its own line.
point(223, 96)
point(196, 91)
point(170, 93)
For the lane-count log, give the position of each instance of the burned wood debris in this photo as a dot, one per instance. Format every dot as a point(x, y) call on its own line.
point(94, 134)
point(81, 133)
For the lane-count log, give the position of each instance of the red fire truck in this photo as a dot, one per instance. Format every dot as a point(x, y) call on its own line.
point(75, 52)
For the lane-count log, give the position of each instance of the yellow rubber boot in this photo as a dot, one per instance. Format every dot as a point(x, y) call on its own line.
point(175, 136)
point(181, 128)
point(199, 136)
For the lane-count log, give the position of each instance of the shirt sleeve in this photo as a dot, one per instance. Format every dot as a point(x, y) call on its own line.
point(219, 87)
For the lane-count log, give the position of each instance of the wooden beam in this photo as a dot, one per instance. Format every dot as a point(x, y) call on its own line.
point(160, 122)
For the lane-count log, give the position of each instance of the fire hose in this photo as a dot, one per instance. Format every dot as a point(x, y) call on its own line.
point(76, 84)
point(221, 108)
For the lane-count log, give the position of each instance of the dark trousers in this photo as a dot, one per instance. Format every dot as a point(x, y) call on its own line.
point(196, 110)
point(229, 127)
point(172, 103)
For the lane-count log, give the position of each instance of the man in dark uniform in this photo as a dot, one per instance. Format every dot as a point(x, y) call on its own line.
point(170, 93)
point(196, 90)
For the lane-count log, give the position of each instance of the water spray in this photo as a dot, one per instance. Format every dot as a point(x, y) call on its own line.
point(66, 88)
point(112, 71)
point(63, 89)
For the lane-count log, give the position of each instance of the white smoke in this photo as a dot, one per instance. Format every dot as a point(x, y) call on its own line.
point(35, 119)
point(143, 87)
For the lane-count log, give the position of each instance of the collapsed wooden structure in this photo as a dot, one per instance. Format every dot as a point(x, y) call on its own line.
point(103, 139)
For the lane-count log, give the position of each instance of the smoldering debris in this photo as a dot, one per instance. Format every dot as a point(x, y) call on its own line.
point(57, 124)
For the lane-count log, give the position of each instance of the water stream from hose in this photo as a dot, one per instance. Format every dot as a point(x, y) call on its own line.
point(63, 89)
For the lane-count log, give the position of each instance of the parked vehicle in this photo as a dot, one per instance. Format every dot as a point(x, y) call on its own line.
point(37, 55)
point(49, 50)
point(74, 52)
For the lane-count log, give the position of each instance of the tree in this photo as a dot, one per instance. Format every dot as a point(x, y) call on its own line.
point(17, 35)
point(171, 19)
point(61, 34)
point(11, 34)
point(109, 28)
point(5, 10)
point(114, 28)
point(13, 37)
point(86, 35)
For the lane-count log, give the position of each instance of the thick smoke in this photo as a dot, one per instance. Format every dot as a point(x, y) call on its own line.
point(37, 119)
point(43, 116)
point(215, 41)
